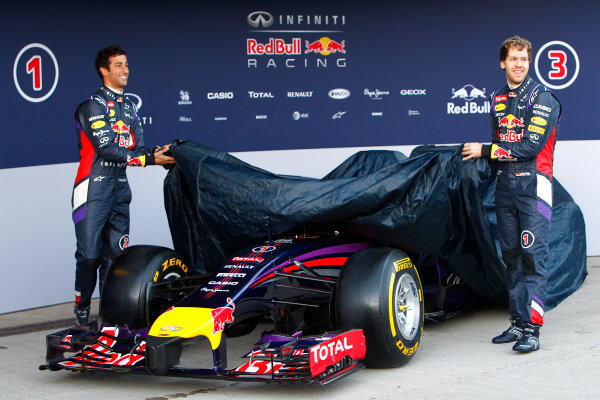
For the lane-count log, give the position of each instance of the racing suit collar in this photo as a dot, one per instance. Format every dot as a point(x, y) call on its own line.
point(115, 91)
point(523, 84)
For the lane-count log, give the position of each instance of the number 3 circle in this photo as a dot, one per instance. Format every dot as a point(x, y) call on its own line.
point(558, 63)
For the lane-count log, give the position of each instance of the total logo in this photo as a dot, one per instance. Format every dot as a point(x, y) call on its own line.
point(468, 93)
point(260, 95)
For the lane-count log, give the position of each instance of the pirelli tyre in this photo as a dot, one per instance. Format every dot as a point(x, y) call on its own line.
point(126, 300)
point(379, 291)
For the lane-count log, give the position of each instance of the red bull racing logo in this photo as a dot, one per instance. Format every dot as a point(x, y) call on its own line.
point(324, 46)
point(222, 315)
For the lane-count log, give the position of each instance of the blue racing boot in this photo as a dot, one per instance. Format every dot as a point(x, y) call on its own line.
point(82, 315)
point(512, 334)
point(530, 340)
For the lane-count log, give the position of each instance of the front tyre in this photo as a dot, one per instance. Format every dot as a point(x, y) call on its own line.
point(125, 298)
point(379, 291)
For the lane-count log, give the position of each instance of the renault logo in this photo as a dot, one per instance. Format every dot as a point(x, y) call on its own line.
point(258, 18)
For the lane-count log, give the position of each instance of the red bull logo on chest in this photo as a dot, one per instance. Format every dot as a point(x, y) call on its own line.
point(510, 121)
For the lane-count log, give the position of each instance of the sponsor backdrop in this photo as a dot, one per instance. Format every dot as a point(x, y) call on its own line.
point(310, 81)
point(246, 76)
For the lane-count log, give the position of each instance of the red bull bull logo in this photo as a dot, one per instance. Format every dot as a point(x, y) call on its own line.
point(325, 46)
point(510, 121)
point(120, 127)
point(222, 315)
point(500, 153)
point(135, 161)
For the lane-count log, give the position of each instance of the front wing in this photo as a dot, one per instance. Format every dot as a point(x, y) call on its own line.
point(313, 359)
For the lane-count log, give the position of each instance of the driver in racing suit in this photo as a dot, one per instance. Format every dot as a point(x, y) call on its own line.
point(110, 139)
point(524, 117)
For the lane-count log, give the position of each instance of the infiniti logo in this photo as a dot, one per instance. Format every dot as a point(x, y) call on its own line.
point(138, 100)
point(171, 328)
point(258, 18)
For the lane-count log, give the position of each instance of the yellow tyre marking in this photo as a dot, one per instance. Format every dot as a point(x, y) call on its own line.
point(391, 305)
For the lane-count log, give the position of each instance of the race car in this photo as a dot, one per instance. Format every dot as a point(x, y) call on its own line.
point(337, 302)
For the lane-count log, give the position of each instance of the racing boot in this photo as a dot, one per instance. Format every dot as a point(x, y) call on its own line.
point(513, 333)
point(82, 315)
point(530, 340)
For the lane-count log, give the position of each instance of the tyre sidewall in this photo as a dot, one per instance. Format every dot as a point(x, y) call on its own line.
point(123, 300)
point(365, 299)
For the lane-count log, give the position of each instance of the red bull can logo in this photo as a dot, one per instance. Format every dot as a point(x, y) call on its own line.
point(510, 121)
point(325, 46)
point(222, 315)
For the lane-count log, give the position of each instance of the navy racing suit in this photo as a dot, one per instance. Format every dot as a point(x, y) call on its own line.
point(524, 126)
point(110, 138)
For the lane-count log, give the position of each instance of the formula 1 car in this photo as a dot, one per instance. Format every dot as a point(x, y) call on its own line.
point(337, 302)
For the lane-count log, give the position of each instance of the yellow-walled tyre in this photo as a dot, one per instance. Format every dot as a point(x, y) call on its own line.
point(125, 299)
point(379, 291)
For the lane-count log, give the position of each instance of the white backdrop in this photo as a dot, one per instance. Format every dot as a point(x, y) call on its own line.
point(38, 240)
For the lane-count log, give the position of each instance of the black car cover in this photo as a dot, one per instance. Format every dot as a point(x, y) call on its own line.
point(431, 203)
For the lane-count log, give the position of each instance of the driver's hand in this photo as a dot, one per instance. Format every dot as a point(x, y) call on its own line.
point(471, 150)
point(161, 159)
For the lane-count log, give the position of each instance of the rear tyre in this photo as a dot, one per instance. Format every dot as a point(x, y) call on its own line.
point(126, 300)
point(379, 291)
